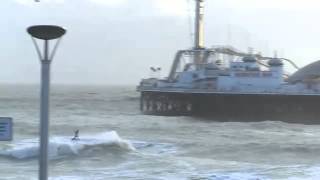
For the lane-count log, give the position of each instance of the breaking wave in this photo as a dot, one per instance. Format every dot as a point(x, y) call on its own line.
point(64, 146)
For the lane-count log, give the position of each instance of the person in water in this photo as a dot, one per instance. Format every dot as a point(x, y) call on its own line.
point(76, 135)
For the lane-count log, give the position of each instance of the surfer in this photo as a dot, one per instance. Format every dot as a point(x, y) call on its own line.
point(76, 135)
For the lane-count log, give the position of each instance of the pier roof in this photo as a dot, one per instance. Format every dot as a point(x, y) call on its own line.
point(310, 71)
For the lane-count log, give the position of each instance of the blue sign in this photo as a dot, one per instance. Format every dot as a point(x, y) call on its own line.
point(5, 129)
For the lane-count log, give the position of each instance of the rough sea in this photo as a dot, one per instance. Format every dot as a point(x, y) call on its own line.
point(118, 142)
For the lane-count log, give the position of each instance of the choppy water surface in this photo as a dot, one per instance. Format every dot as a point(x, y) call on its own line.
point(117, 142)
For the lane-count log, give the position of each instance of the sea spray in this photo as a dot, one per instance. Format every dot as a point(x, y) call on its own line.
point(64, 146)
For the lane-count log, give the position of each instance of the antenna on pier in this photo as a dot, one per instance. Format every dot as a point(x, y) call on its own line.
point(199, 25)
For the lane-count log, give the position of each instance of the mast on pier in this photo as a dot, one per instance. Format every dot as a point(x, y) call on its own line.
point(199, 25)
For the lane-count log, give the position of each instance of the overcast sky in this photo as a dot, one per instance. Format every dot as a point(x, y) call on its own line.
point(116, 41)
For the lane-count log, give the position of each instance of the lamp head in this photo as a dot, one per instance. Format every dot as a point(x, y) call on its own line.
point(46, 32)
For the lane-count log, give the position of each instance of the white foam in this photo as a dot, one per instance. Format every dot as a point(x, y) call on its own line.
point(229, 176)
point(62, 146)
point(68, 178)
point(309, 173)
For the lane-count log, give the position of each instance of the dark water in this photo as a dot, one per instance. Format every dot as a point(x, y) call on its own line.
point(117, 142)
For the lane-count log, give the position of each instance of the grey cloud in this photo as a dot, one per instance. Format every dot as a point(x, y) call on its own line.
point(117, 45)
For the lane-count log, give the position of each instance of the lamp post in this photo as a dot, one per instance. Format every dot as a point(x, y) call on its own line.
point(45, 33)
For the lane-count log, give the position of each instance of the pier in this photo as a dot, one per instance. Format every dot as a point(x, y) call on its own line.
point(234, 107)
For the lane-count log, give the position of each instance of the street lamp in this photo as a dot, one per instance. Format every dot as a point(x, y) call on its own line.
point(45, 33)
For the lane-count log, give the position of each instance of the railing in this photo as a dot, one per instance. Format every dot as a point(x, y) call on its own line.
point(239, 91)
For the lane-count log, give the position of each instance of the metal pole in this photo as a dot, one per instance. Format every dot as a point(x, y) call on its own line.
point(199, 25)
point(199, 33)
point(44, 113)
